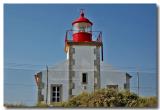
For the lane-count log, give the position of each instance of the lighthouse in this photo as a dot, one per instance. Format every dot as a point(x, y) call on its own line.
point(83, 70)
point(83, 54)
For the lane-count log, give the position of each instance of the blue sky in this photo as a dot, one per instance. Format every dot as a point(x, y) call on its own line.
point(34, 34)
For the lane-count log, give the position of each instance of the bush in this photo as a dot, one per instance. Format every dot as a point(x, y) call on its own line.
point(107, 98)
point(42, 105)
point(110, 98)
point(148, 102)
point(78, 101)
point(58, 104)
point(103, 98)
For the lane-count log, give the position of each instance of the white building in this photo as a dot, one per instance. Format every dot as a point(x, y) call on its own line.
point(82, 71)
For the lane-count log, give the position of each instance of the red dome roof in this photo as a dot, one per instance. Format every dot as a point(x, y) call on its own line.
point(81, 19)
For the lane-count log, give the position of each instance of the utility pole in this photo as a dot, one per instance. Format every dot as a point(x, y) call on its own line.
point(47, 86)
point(138, 82)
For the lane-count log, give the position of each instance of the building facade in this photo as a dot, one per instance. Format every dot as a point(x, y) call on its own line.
point(83, 69)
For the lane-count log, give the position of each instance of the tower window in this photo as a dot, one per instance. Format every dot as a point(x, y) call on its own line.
point(84, 78)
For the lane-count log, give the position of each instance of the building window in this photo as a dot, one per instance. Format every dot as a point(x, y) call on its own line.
point(112, 86)
point(56, 93)
point(84, 78)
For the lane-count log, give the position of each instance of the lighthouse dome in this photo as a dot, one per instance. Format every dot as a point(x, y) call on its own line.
point(82, 19)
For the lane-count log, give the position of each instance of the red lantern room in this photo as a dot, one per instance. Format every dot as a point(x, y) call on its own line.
point(82, 29)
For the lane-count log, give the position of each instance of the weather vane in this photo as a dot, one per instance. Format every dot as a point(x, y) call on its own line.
point(82, 12)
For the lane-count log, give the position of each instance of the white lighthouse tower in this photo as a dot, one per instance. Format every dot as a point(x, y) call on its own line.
point(83, 55)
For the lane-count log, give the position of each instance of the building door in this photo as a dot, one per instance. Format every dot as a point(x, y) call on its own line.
point(56, 93)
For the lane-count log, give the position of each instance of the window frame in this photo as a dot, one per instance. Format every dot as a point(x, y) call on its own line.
point(58, 90)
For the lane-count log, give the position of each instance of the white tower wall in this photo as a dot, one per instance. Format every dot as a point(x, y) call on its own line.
point(82, 60)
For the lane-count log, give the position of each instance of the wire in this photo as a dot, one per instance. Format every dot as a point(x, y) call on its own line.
point(24, 64)
point(16, 84)
point(51, 70)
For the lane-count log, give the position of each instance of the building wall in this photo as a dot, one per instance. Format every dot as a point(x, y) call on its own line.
point(111, 76)
point(82, 61)
point(58, 76)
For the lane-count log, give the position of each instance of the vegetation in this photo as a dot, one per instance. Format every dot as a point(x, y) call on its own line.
point(15, 105)
point(42, 105)
point(108, 98)
point(102, 98)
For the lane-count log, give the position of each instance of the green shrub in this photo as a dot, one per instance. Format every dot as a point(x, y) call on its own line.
point(148, 102)
point(41, 105)
point(108, 98)
point(78, 101)
point(58, 104)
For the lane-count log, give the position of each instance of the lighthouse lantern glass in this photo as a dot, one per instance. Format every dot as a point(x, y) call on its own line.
point(82, 27)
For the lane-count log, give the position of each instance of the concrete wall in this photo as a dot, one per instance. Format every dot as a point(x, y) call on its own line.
point(56, 75)
point(84, 63)
point(60, 74)
point(111, 76)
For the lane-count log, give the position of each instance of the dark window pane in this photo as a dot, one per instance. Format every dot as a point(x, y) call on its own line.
point(54, 88)
point(54, 94)
point(57, 94)
point(84, 78)
point(53, 99)
point(57, 88)
point(58, 99)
